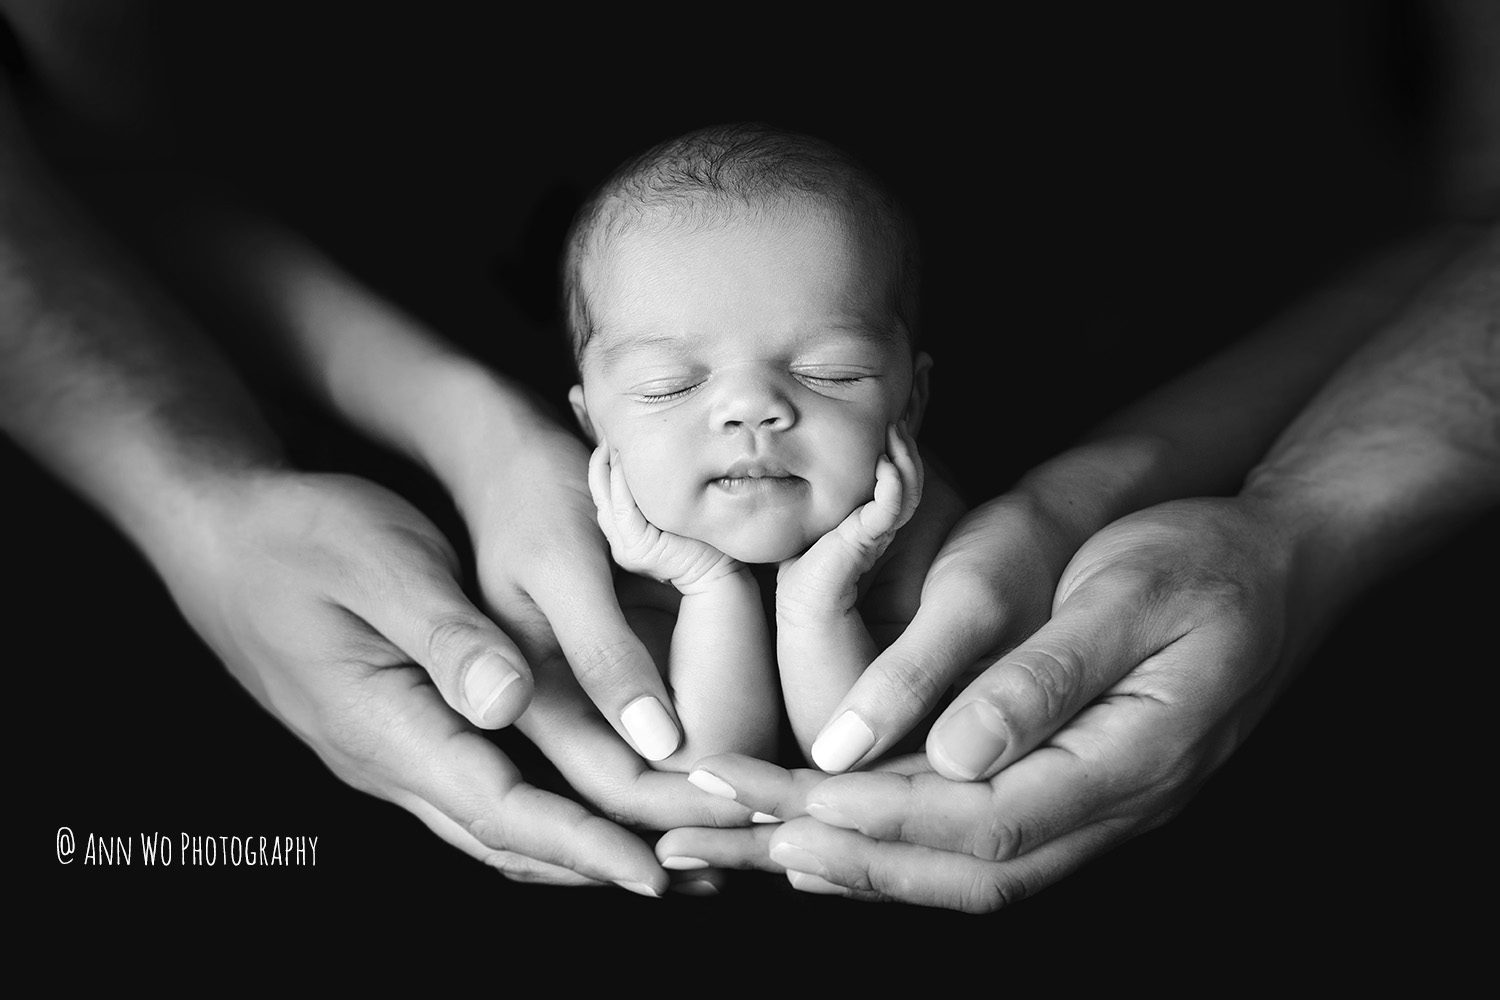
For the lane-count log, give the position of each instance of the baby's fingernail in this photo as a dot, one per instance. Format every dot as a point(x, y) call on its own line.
point(682, 864)
point(845, 741)
point(486, 681)
point(971, 741)
point(803, 882)
point(639, 888)
point(829, 816)
point(794, 858)
point(650, 727)
point(712, 784)
point(760, 817)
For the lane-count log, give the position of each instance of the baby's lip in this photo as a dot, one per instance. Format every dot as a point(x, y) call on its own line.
point(754, 468)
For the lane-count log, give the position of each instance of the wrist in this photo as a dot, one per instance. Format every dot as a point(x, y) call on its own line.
point(465, 423)
point(1094, 484)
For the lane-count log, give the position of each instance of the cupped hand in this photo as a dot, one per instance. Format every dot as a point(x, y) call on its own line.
point(600, 708)
point(545, 574)
point(335, 603)
point(1170, 638)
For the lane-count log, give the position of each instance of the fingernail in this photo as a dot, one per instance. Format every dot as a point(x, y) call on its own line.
point(650, 727)
point(760, 817)
point(803, 882)
point(794, 858)
point(829, 816)
point(972, 740)
point(845, 741)
point(682, 864)
point(486, 681)
point(712, 784)
point(639, 888)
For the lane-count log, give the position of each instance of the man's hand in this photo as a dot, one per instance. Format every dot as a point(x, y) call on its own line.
point(1169, 640)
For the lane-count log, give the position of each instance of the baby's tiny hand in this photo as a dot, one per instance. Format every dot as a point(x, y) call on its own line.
point(827, 573)
point(640, 546)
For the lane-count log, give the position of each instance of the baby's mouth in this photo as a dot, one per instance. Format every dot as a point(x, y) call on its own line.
point(752, 475)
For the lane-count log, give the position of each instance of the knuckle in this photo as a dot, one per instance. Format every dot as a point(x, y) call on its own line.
point(909, 685)
point(1043, 683)
point(989, 889)
point(450, 638)
point(598, 666)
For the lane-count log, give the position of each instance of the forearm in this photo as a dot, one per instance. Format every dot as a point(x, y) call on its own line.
point(103, 380)
point(375, 365)
point(1202, 433)
point(720, 669)
point(1403, 444)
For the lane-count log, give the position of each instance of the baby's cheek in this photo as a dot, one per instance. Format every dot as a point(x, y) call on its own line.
point(657, 494)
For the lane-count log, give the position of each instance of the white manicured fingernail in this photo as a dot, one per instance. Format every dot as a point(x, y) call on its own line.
point(760, 817)
point(486, 681)
point(650, 728)
point(639, 888)
point(845, 741)
point(682, 864)
point(712, 784)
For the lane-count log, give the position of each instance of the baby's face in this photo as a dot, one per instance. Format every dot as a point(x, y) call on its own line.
point(746, 372)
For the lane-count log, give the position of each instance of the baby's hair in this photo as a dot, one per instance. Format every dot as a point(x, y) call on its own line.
point(714, 171)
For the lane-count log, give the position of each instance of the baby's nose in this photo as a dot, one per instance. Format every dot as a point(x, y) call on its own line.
point(754, 403)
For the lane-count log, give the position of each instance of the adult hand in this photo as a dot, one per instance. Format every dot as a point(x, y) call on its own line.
point(335, 603)
point(546, 576)
point(989, 586)
point(1170, 637)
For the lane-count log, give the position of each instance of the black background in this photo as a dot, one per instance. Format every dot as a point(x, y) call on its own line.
point(1105, 193)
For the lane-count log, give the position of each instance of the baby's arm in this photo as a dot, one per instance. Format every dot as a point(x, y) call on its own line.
point(718, 669)
point(822, 643)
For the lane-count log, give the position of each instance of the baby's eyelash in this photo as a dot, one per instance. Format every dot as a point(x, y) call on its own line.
point(652, 399)
point(829, 380)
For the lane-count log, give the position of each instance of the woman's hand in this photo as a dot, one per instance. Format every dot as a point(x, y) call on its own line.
point(336, 604)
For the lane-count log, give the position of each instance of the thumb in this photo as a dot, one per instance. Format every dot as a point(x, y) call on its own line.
point(477, 668)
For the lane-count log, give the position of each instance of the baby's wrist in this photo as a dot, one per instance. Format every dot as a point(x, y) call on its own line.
point(727, 576)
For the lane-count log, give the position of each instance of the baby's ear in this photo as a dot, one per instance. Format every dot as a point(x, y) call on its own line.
point(916, 403)
point(581, 413)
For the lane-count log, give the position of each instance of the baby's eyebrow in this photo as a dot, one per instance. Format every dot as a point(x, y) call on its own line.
point(616, 348)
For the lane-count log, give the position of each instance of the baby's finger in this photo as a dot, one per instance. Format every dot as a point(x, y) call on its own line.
point(631, 523)
point(599, 489)
point(902, 449)
point(882, 515)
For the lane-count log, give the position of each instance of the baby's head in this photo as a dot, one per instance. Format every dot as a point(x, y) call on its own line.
point(742, 308)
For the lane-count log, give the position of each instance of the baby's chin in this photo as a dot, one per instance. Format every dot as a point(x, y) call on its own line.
point(770, 544)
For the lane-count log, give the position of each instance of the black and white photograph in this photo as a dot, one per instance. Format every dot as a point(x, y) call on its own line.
point(1009, 494)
